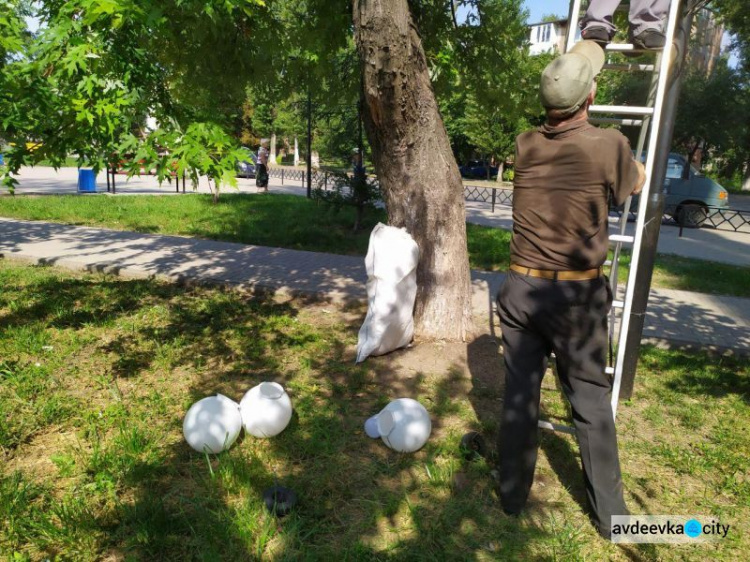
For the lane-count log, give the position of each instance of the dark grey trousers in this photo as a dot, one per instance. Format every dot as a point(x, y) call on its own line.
point(539, 316)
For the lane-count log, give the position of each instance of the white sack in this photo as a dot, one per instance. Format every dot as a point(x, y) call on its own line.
point(391, 264)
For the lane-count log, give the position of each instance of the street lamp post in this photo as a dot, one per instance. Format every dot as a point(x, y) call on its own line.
point(360, 108)
point(309, 145)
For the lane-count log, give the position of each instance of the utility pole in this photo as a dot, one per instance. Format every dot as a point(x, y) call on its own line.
point(654, 209)
point(309, 144)
point(360, 108)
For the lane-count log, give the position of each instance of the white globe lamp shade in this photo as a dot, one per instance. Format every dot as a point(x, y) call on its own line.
point(404, 425)
point(212, 424)
point(266, 410)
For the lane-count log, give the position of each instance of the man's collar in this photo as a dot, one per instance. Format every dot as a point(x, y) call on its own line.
point(565, 128)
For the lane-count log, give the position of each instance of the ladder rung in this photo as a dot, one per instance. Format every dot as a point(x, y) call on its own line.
point(556, 427)
point(622, 109)
point(622, 47)
point(616, 121)
point(621, 238)
point(631, 67)
point(618, 304)
point(609, 370)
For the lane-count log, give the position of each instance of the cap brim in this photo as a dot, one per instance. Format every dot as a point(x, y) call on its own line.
point(592, 51)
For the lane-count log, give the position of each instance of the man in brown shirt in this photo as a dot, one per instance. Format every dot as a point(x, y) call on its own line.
point(555, 297)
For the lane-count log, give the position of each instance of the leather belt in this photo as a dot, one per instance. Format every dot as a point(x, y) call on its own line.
point(553, 275)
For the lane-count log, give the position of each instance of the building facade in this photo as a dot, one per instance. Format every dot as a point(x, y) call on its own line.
point(547, 37)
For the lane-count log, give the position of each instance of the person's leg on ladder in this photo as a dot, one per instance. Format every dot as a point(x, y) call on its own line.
point(596, 24)
point(647, 23)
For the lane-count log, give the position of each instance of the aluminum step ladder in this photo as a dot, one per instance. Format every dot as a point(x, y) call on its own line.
point(647, 118)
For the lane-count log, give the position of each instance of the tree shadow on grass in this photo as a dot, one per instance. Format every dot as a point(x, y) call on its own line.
point(77, 302)
point(149, 496)
point(356, 496)
point(707, 375)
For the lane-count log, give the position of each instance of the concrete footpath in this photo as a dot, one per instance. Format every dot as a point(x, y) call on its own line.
point(678, 317)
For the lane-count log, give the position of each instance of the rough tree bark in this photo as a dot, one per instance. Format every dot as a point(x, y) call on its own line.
point(418, 175)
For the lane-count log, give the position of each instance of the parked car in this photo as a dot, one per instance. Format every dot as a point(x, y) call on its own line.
point(477, 169)
point(246, 166)
point(690, 196)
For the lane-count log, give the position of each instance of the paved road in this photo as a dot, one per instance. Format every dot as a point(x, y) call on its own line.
point(704, 321)
point(739, 202)
point(706, 244)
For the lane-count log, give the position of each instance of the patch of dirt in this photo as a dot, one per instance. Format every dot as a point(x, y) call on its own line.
point(34, 459)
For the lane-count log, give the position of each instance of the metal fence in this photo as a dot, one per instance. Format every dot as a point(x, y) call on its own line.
point(290, 174)
point(494, 195)
point(319, 178)
point(733, 220)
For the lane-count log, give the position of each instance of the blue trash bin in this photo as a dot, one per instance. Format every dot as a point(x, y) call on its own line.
point(86, 181)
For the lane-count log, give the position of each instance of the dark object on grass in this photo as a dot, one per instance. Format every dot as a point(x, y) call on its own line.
point(473, 446)
point(279, 500)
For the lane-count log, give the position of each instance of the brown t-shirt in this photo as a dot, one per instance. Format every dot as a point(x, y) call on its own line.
point(563, 176)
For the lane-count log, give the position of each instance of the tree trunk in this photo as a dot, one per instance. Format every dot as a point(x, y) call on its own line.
point(418, 174)
point(272, 156)
point(296, 152)
point(746, 180)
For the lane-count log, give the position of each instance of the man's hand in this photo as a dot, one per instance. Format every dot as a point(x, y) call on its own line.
point(641, 178)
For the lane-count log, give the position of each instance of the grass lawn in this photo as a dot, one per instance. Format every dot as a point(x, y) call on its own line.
point(288, 221)
point(97, 373)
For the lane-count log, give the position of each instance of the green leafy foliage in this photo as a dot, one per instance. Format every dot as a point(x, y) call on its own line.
point(735, 15)
point(99, 68)
point(87, 82)
point(485, 80)
point(705, 104)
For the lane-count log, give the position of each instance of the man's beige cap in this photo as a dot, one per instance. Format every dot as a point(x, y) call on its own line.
point(567, 80)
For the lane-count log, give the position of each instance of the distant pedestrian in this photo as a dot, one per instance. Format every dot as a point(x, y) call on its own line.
point(358, 168)
point(646, 19)
point(261, 175)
